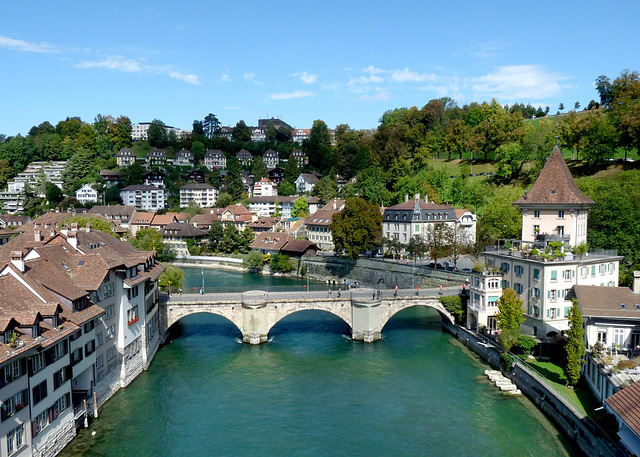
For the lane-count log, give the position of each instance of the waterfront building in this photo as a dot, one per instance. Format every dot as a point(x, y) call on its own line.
point(203, 195)
point(542, 269)
point(416, 217)
point(276, 243)
point(64, 338)
point(237, 215)
point(176, 234)
point(125, 157)
point(86, 194)
point(143, 197)
point(264, 224)
point(625, 406)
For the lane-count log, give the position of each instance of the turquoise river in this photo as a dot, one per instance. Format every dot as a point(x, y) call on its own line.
point(311, 391)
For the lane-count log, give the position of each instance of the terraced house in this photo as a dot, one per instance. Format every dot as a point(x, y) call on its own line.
point(78, 318)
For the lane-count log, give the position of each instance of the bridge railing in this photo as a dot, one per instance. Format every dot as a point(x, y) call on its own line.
point(272, 289)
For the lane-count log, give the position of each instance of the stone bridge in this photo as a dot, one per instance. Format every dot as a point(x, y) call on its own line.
point(254, 313)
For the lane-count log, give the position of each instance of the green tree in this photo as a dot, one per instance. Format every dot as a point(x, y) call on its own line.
point(357, 227)
point(149, 239)
point(97, 223)
point(501, 219)
point(300, 207)
point(597, 140)
point(216, 236)
point(210, 125)
point(224, 200)
point(318, 145)
point(233, 180)
point(575, 344)
point(509, 317)
point(280, 263)
point(120, 132)
point(246, 238)
point(52, 194)
point(157, 133)
point(231, 238)
point(511, 157)
point(258, 169)
point(171, 276)
point(371, 185)
point(326, 189)
point(453, 304)
point(291, 170)
point(254, 260)
point(439, 239)
point(241, 132)
point(286, 188)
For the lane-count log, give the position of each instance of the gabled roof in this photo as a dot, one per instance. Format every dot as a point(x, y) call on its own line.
point(554, 186)
point(311, 178)
point(182, 229)
point(160, 220)
point(142, 218)
point(270, 241)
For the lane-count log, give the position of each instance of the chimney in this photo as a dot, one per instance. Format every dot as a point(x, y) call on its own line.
point(636, 282)
point(88, 227)
point(74, 226)
point(17, 259)
point(37, 235)
point(335, 203)
point(416, 196)
point(406, 197)
point(72, 239)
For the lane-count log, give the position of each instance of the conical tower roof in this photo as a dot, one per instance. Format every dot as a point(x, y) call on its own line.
point(554, 186)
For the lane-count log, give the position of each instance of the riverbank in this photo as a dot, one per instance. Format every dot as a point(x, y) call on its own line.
point(577, 426)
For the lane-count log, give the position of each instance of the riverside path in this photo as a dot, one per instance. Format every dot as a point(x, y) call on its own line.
point(255, 312)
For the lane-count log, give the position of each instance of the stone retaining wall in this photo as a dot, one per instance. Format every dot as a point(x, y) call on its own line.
point(581, 430)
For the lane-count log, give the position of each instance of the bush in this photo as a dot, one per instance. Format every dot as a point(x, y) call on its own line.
point(626, 364)
point(525, 343)
point(254, 260)
point(280, 263)
point(506, 361)
point(453, 304)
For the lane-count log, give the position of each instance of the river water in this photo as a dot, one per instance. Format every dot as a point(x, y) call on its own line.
point(311, 391)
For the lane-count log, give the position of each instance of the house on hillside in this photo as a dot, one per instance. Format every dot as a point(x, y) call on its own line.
point(156, 158)
point(183, 158)
point(87, 194)
point(176, 234)
point(305, 182)
point(215, 159)
point(125, 157)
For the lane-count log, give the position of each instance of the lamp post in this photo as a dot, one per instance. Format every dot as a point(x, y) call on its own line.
point(202, 269)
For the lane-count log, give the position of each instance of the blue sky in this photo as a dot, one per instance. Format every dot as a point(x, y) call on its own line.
point(342, 62)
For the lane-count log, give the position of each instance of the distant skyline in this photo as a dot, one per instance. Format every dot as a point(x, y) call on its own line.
point(342, 62)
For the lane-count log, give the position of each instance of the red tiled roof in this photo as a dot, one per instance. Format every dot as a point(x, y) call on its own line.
point(555, 185)
point(626, 405)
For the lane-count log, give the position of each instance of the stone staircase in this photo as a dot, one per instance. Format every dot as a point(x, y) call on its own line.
point(502, 383)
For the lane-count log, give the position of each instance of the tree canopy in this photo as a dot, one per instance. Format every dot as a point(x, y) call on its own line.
point(357, 227)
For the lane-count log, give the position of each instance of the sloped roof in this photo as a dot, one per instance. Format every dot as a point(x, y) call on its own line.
point(183, 230)
point(270, 241)
point(626, 405)
point(599, 301)
point(555, 186)
point(142, 217)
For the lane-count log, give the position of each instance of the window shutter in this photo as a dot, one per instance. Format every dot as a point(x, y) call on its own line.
point(68, 395)
point(34, 433)
point(25, 396)
point(68, 372)
point(548, 312)
point(51, 414)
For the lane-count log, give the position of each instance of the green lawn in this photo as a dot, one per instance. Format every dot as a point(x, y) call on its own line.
point(581, 396)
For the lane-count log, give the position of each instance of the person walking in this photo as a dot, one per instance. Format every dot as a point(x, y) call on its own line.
point(440, 289)
point(329, 294)
point(339, 292)
point(417, 290)
point(378, 294)
point(395, 292)
point(180, 290)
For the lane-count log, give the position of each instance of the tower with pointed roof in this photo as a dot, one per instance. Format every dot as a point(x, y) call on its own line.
point(555, 208)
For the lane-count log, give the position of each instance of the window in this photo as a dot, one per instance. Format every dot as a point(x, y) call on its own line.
point(612, 267)
point(554, 275)
point(76, 356)
point(602, 336)
point(13, 370)
point(568, 274)
point(602, 268)
point(505, 284)
point(552, 294)
point(504, 266)
point(39, 423)
point(39, 392)
point(60, 377)
point(551, 313)
point(15, 439)
point(37, 362)
point(518, 270)
point(99, 339)
point(89, 348)
point(560, 214)
point(584, 271)
point(99, 361)
point(492, 284)
point(593, 270)
point(110, 311)
point(111, 353)
point(108, 290)
point(536, 293)
point(536, 274)
point(618, 336)
point(15, 403)
point(132, 315)
point(536, 229)
point(519, 288)
point(110, 332)
point(133, 292)
point(89, 326)
point(59, 350)
point(536, 214)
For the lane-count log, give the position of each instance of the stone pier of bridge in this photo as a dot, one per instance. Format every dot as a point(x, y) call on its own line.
point(254, 314)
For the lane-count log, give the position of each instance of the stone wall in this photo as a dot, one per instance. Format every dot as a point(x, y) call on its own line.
point(56, 441)
point(581, 430)
point(378, 273)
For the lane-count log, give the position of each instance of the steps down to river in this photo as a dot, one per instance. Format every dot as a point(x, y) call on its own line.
point(502, 383)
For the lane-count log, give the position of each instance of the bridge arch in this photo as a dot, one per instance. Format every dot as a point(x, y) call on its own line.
point(341, 310)
point(390, 309)
point(230, 311)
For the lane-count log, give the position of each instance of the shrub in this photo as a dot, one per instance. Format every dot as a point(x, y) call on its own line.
point(526, 343)
point(280, 263)
point(453, 304)
point(626, 364)
point(506, 361)
point(254, 260)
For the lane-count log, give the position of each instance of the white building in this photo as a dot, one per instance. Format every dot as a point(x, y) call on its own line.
point(268, 206)
point(125, 157)
point(215, 159)
point(34, 177)
point(271, 158)
point(204, 195)
point(305, 182)
point(265, 188)
point(86, 194)
point(143, 197)
point(299, 135)
point(140, 132)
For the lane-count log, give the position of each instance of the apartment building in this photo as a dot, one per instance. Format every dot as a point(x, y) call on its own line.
point(203, 195)
point(143, 197)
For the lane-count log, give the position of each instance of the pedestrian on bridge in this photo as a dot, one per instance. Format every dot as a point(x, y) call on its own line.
point(440, 289)
point(329, 294)
point(180, 290)
point(339, 292)
point(395, 293)
point(418, 290)
point(378, 294)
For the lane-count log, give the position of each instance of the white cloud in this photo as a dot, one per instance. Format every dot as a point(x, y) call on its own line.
point(407, 75)
point(306, 77)
point(191, 79)
point(249, 76)
point(289, 95)
point(225, 78)
point(20, 45)
point(119, 63)
point(520, 82)
point(380, 96)
point(373, 70)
